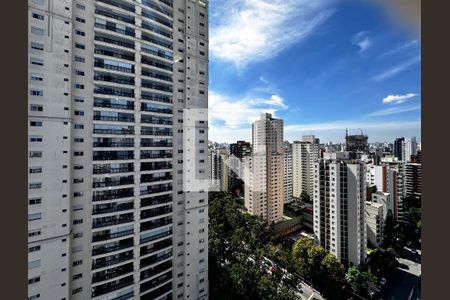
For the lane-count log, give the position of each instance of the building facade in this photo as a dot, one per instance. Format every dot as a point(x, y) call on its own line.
point(264, 170)
point(399, 149)
point(288, 190)
point(375, 223)
point(304, 154)
point(339, 209)
point(237, 152)
point(112, 211)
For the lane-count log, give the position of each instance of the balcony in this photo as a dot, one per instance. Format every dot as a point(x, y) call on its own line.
point(155, 17)
point(106, 77)
point(113, 28)
point(114, 103)
point(149, 225)
point(121, 4)
point(113, 246)
point(152, 131)
point(151, 166)
point(162, 9)
point(151, 213)
point(149, 143)
point(111, 286)
point(112, 194)
point(113, 142)
point(157, 41)
point(154, 63)
point(114, 168)
point(112, 220)
point(156, 75)
point(152, 28)
point(146, 178)
point(112, 273)
point(112, 260)
point(150, 154)
point(113, 91)
point(111, 207)
point(155, 270)
point(158, 292)
point(156, 51)
point(150, 201)
point(147, 107)
point(127, 44)
point(109, 235)
point(121, 131)
point(151, 260)
point(114, 66)
point(113, 155)
point(156, 281)
point(113, 53)
point(155, 97)
point(154, 189)
point(149, 249)
point(113, 116)
point(160, 233)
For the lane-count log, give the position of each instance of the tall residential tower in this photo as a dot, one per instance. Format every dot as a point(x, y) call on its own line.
point(264, 170)
point(114, 212)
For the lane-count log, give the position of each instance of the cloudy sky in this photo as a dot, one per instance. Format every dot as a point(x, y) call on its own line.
point(321, 65)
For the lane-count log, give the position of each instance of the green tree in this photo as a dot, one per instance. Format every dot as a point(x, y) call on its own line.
point(362, 283)
point(333, 269)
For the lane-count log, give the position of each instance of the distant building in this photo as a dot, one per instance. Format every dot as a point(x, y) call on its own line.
point(237, 151)
point(264, 175)
point(410, 148)
point(384, 199)
point(339, 209)
point(288, 170)
point(399, 149)
point(375, 222)
point(304, 154)
point(356, 143)
point(218, 169)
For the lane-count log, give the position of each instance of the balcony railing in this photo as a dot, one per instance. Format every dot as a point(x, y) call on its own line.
point(101, 236)
point(111, 286)
point(111, 207)
point(111, 260)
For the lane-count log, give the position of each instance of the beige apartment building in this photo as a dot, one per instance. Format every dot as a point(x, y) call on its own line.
point(264, 170)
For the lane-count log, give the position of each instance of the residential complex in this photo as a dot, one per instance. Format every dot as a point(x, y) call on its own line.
point(339, 209)
point(264, 170)
point(117, 107)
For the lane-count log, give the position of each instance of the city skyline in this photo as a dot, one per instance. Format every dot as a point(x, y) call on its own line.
point(260, 70)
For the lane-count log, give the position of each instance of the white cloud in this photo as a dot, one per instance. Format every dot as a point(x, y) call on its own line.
point(362, 40)
point(397, 99)
point(253, 30)
point(263, 80)
point(394, 110)
point(397, 69)
point(239, 113)
point(401, 47)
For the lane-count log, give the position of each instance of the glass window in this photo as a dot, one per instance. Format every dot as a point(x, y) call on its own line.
point(34, 264)
point(37, 30)
point(36, 77)
point(37, 61)
point(34, 216)
point(37, 46)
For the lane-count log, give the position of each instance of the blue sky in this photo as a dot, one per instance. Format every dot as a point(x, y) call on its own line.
point(321, 65)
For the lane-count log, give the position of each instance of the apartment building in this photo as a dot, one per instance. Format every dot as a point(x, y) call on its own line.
point(399, 149)
point(304, 154)
point(117, 142)
point(375, 222)
point(339, 209)
point(264, 170)
point(288, 190)
point(237, 151)
point(218, 169)
point(410, 148)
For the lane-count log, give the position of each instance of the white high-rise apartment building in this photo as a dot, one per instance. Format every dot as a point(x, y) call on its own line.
point(264, 175)
point(113, 88)
point(339, 209)
point(375, 222)
point(287, 172)
point(304, 154)
point(410, 148)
